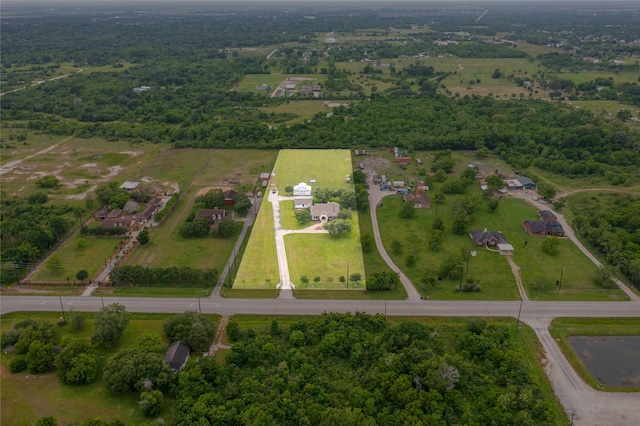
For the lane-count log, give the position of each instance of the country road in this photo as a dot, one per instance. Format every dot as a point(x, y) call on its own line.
point(586, 405)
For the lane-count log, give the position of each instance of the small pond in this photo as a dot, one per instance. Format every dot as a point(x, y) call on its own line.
point(611, 360)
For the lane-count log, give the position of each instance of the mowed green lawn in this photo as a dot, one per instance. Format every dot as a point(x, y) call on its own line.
point(320, 255)
point(328, 167)
point(539, 271)
point(259, 266)
point(79, 252)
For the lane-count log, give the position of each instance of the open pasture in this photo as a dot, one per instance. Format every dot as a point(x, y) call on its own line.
point(328, 167)
point(259, 266)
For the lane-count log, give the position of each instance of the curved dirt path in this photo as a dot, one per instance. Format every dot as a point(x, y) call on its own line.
point(515, 269)
point(375, 196)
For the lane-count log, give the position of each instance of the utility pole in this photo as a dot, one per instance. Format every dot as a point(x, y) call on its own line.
point(62, 308)
point(199, 307)
point(468, 259)
point(519, 311)
point(461, 273)
point(15, 269)
point(561, 274)
point(347, 275)
point(148, 277)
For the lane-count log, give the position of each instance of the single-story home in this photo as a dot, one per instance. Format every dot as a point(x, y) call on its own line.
point(487, 238)
point(302, 189)
point(177, 356)
point(547, 215)
point(324, 211)
point(115, 213)
point(213, 216)
point(129, 186)
point(123, 221)
point(420, 201)
point(543, 227)
point(526, 182)
point(147, 214)
point(302, 202)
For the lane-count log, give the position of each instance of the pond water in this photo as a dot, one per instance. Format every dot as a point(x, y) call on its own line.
point(611, 360)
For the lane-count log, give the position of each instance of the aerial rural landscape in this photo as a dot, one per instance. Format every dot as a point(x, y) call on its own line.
point(320, 213)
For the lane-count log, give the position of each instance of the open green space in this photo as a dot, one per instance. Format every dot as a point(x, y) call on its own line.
point(259, 266)
point(142, 291)
point(328, 167)
point(79, 252)
point(26, 398)
point(326, 257)
point(562, 328)
point(491, 269)
point(304, 110)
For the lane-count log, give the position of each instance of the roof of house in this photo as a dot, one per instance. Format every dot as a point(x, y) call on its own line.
point(102, 212)
point(209, 213)
point(512, 183)
point(129, 185)
point(302, 185)
point(230, 194)
point(114, 213)
point(525, 181)
point(546, 214)
point(124, 221)
point(330, 209)
point(488, 237)
point(177, 355)
point(537, 226)
point(302, 200)
point(418, 199)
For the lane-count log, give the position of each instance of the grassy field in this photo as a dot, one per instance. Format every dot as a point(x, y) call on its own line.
point(305, 110)
point(198, 169)
point(142, 291)
point(320, 255)
point(490, 268)
point(328, 167)
point(78, 253)
point(561, 328)
point(259, 266)
point(26, 398)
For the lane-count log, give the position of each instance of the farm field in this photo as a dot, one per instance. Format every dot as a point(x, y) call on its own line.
point(320, 255)
point(328, 167)
point(305, 110)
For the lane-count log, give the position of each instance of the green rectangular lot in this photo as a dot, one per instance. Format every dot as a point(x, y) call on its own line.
point(328, 167)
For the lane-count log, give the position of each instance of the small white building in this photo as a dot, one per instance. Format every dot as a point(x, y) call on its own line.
point(302, 189)
point(129, 186)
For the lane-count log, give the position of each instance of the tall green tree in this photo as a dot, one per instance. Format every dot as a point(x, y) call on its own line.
point(110, 323)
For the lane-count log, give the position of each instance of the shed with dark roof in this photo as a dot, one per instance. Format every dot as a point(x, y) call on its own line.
point(177, 355)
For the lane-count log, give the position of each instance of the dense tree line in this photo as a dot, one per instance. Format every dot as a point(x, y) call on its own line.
point(136, 275)
point(611, 222)
point(359, 369)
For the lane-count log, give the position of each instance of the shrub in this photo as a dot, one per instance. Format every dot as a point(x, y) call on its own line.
point(18, 364)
